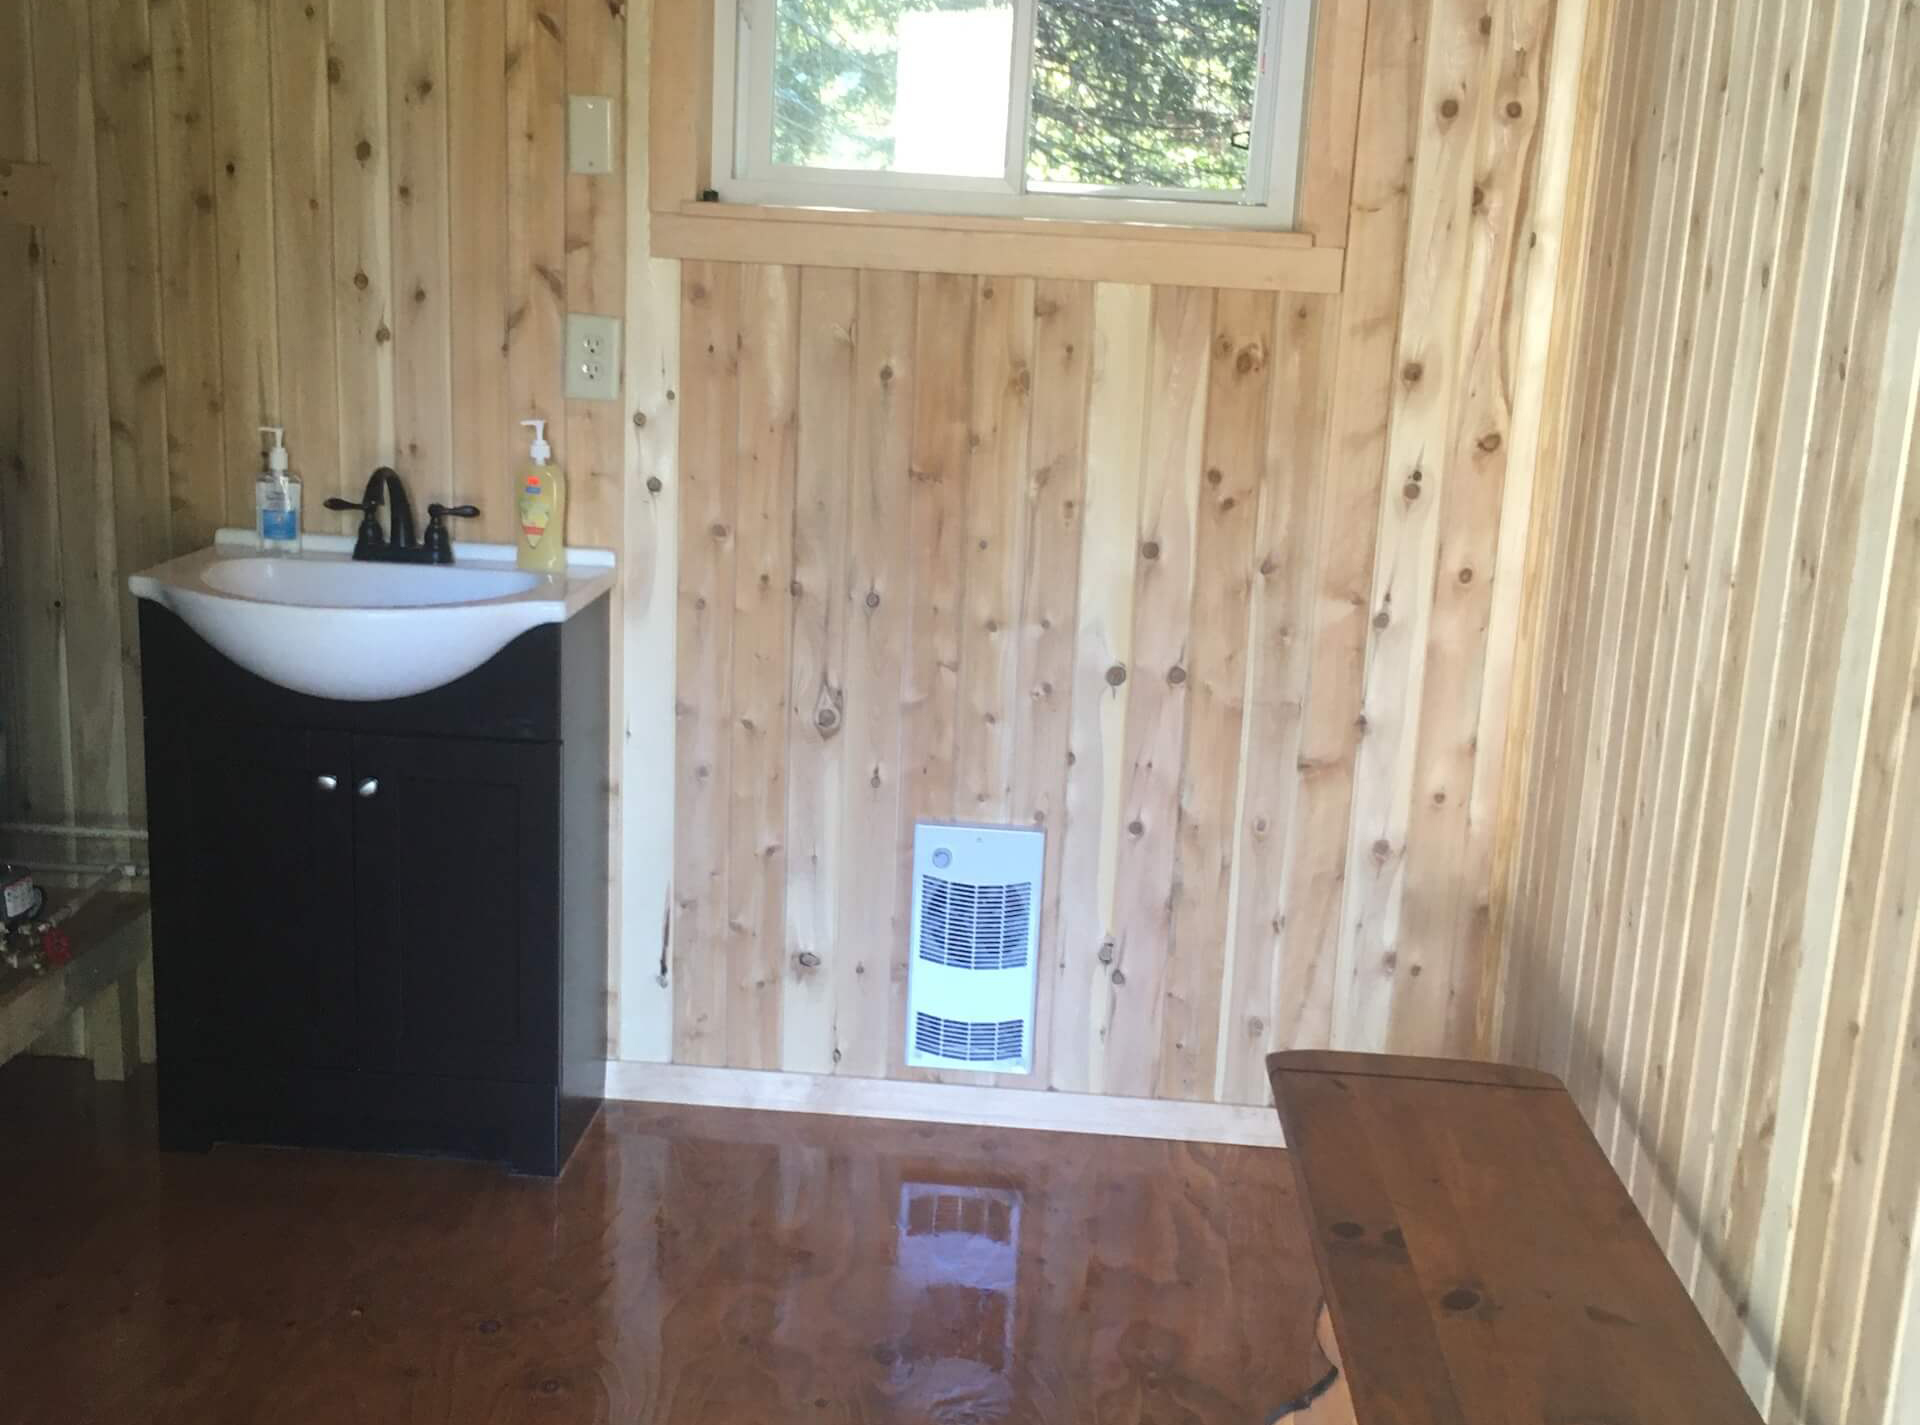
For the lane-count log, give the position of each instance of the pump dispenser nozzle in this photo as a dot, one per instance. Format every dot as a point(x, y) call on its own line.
point(277, 451)
point(541, 451)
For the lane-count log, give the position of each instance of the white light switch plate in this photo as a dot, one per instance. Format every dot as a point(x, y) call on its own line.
point(589, 134)
point(593, 358)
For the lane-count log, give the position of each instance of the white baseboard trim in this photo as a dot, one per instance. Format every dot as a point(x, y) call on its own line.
point(943, 1103)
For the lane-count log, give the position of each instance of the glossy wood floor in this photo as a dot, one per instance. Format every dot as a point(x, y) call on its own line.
point(698, 1267)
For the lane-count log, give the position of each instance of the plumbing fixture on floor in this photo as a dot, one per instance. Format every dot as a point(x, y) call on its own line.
point(38, 943)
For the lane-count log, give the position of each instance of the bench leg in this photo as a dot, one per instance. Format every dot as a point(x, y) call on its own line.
point(113, 1030)
point(1329, 1403)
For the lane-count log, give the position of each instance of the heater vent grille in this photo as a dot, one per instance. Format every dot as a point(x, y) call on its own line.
point(991, 1042)
point(973, 946)
point(975, 927)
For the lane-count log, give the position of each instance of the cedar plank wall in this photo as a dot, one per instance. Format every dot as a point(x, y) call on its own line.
point(1314, 793)
point(1219, 587)
point(1708, 915)
point(351, 217)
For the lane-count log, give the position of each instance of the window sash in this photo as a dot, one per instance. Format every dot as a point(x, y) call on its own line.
point(745, 41)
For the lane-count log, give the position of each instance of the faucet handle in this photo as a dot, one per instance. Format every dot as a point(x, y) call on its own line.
point(438, 543)
point(369, 537)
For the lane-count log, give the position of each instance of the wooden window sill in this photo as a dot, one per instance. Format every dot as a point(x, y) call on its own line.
point(997, 247)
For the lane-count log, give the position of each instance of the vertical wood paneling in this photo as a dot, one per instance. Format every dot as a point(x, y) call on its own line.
point(40, 768)
point(816, 704)
point(871, 914)
point(1706, 579)
point(303, 245)
point(243, 213)
point(1089, 864)
point(640, 983)
point(1109, 566)
point(1214, 672)
point(1268, 592)
point(1260, 1005)
point(1432, 362)
point(1362, 363)
point(762, 626)
point(997, 643)
point(594, 240)
point(1755, 646)
point(1722, 875)
point(1056, 502)
point(130, 290)
point(1602, 593)
point(488, 441)
point(422, 301)
point(710, 341)
point(1446, 874)
point(1157, 688)
point(536, 216)
point(993, 546)
point(936, 529)
point(81, 424)
point(191, 277)
point(362, 255)
point(256, 209)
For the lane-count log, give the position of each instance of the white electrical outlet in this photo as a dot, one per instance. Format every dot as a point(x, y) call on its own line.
point(593, 358)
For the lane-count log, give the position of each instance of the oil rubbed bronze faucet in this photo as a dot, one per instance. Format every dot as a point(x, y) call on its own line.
point(397, 544)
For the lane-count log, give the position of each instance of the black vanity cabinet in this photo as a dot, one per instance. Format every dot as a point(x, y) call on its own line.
point(381, 925)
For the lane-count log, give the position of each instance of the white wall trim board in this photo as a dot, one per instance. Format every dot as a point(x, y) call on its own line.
point(1040, 1109)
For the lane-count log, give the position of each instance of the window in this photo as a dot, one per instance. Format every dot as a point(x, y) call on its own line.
point(1186, 112)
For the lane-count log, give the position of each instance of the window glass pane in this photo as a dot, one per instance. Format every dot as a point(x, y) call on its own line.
point(1143, 93)
point(913, 86)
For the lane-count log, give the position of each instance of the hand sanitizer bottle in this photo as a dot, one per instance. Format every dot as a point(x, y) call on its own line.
point(276, 499)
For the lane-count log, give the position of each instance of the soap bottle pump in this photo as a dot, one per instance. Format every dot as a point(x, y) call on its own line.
point(276, 498)
point(541, 505)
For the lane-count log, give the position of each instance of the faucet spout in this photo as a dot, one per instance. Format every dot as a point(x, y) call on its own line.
point(400, 543)
point(400, 527)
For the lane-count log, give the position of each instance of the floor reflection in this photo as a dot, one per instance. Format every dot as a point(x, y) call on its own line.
point(876, 1272)
point(956, 1290)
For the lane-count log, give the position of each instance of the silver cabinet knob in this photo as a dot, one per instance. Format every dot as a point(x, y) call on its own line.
point(368, 787)
point(325, 782)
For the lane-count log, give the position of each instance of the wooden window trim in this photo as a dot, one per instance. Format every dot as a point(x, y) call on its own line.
point(1310, 258)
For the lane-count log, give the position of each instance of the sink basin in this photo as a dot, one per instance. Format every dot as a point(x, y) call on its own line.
point(312, 583)
point(319, 623)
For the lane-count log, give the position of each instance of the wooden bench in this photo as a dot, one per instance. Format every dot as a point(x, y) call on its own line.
point(102, 986)
point(1481, 1261)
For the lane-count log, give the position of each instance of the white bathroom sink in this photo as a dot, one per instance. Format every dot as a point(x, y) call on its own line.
point(319, 623)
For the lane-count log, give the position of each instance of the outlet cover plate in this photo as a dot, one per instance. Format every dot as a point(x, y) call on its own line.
point(589, 134)
point(593, 358)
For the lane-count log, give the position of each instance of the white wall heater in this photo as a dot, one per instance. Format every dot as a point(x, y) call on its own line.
point(975, 946)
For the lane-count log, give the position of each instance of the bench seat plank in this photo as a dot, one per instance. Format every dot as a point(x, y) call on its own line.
point(1481, 1260)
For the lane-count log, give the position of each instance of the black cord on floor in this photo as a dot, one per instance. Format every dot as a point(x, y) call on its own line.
point(1301, 1402)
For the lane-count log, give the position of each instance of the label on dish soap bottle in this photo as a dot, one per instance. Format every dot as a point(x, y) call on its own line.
point(535, 511)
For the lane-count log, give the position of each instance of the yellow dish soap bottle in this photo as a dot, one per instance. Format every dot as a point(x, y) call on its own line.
point(541, 505)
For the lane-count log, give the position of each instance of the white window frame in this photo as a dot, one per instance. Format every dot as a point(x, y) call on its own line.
point(745, 173)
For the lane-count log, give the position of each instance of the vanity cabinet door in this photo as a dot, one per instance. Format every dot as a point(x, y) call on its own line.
point(457, 859)
point(253, 896)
